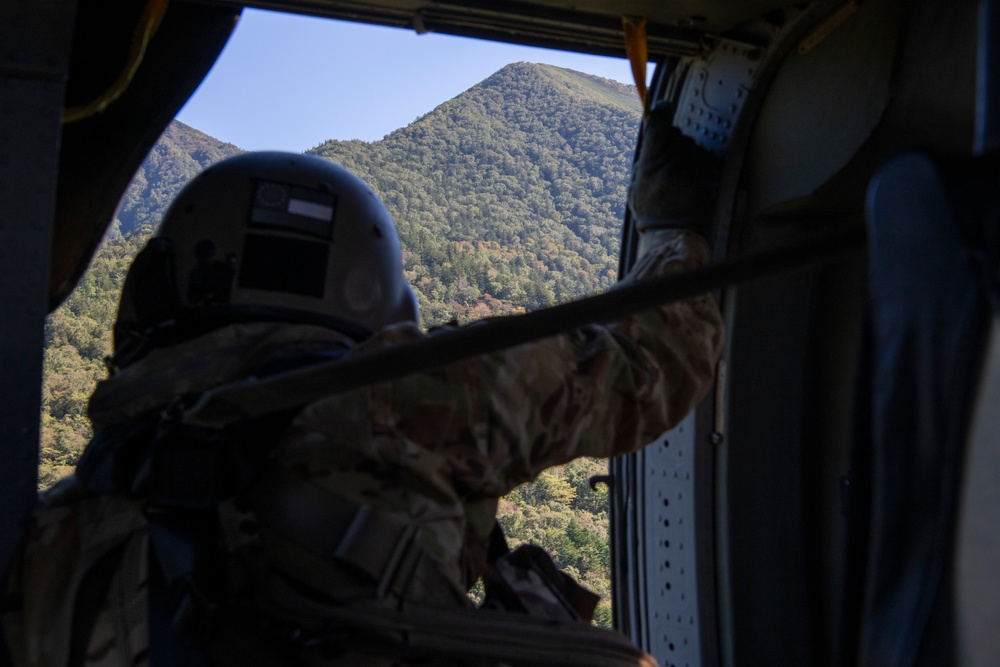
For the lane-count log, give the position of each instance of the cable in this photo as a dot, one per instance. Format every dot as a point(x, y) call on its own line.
point(149, 21)
point(235, 401)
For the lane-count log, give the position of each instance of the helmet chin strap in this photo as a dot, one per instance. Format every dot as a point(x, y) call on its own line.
point(204, 319)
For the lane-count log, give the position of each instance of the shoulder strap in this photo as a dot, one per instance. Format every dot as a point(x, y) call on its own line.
point(232, 402)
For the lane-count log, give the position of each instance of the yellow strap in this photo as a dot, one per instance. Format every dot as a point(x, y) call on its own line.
point(149, 21)
point(637, 51)
point(827, 28)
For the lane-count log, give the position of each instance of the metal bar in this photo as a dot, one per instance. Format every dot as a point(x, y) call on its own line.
point(235, 401)
point(516, 23)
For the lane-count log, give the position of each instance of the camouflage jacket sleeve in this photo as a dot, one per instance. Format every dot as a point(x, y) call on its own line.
point(600, 390)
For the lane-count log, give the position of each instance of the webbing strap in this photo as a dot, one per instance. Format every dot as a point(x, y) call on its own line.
point(237, 401)
point(466, 636)
point(637, 51)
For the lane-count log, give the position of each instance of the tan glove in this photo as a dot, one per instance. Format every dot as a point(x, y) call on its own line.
point(673, 182)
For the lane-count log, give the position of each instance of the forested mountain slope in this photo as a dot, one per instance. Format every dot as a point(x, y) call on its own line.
point(177, 157)
point(508, 197)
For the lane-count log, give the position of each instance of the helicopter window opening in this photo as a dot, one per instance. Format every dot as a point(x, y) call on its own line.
point(514, 201)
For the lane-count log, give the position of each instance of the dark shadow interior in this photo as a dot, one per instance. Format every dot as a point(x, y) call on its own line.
point(796, 341)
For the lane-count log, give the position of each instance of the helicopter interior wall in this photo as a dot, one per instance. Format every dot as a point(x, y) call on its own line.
point(788, 436)
point(810, 160)
point(787, 445)
point(821, 106)
point(884, 82)
point(33, 72)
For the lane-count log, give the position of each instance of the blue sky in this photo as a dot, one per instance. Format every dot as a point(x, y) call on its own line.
point(292, 82)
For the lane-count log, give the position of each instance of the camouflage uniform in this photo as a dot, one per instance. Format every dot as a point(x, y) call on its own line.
point(432, 452)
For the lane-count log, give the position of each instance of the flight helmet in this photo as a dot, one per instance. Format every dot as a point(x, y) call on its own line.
point(266, 236)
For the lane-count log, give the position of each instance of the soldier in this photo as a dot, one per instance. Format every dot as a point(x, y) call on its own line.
point(245, 547)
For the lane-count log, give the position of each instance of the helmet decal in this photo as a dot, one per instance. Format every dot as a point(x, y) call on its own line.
point(291, 208)
point(279, 264)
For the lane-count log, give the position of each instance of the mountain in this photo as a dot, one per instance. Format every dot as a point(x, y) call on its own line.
point(179, 154)
point(510, 195)
point(507, 197)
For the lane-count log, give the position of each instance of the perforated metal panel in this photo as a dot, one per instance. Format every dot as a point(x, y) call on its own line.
point(714, 93)
point(657, 597)
point(671, 586)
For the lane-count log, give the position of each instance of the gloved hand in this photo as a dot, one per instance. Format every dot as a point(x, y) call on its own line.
point(673, 182)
